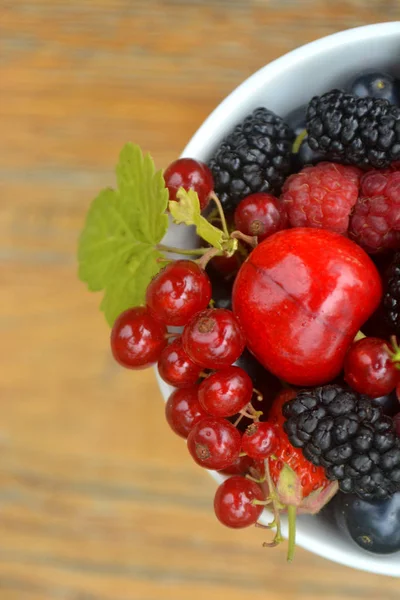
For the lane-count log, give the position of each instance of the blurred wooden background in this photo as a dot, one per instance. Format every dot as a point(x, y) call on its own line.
point(98, 500)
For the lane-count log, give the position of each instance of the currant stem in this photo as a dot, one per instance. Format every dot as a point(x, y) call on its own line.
point(262, 480)
point(168, 336)
point(252, 240)
point(260, 502)
point(193, 252)
point(214, 197)
point(261, 526)
point(207, 256)
point(162, 259)
point(256, 414)
point(259, 395)
point(240, 417)
point(394, 351)
point(359, 336)
point(292, 532)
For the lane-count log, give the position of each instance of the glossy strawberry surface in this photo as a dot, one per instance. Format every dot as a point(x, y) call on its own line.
point(300, 297)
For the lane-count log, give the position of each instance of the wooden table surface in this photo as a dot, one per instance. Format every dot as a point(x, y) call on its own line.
point(98, 500)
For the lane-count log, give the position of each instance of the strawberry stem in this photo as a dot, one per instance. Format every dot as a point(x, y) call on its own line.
point(292, 532)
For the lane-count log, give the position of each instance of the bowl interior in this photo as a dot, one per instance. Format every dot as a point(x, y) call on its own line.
point(282, 86)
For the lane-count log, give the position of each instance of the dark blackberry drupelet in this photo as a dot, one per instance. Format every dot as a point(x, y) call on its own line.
point(391, 301)
point(347, 435)
point(255, 157)
point(358, 131)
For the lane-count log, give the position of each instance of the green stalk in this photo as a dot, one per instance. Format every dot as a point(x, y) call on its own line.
point(292, 532)
point(215, 198)
point(194, 252)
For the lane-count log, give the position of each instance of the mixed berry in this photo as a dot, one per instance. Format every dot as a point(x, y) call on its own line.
point(280, 332)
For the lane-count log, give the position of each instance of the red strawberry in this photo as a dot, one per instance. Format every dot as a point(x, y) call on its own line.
point(311, 478)
point(299, 485)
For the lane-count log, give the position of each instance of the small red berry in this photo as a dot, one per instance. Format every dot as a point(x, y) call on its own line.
point(176, 368)
point(183, 411)
point(234, 502)
point(191, 175)
point(178, 292)
point(226, 392)
point(240, 466)
point(213, 338)
point(260, 215)
point(368, 368)
point(260, 440)
point(214, 443)
point(137, 339)
point(227, 266)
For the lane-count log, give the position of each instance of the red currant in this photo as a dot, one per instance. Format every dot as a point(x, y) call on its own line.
point(191, 175)
point(137, 339)
point(227, 266)
point(176, 368)
point(234, 502)
point(178, 292)
point(240, 466)
point(226, 392)
point(213, 338)
point(260, 440)
point(261, 215)
point(183, 411)
point(368, 368)
point(214, 443)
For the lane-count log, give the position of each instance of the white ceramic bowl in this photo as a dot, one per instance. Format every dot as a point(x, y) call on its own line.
point(282, 86)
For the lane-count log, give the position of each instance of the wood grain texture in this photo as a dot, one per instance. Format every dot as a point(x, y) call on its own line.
point(98, 500)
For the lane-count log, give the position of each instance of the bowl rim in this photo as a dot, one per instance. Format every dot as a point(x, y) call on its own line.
point(368, 562)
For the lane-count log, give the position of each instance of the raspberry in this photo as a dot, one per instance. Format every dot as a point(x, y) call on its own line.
point(375, 223)
point(322, 196)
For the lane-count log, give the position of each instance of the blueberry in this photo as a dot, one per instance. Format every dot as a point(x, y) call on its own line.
point(373, 525)
point(297, 120)
point(376, 85)
point(305, 156)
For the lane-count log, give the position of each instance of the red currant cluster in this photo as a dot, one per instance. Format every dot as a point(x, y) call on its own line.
point(212, 395)
point(210, 389)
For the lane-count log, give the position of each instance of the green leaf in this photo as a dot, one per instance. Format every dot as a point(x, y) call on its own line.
point(116, 250)
point(187, 210)
point(124, 292)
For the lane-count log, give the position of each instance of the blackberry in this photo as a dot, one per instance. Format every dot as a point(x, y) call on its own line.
point(350, 437)
point(254, 157)
point(358, 131)
point(391, 301)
